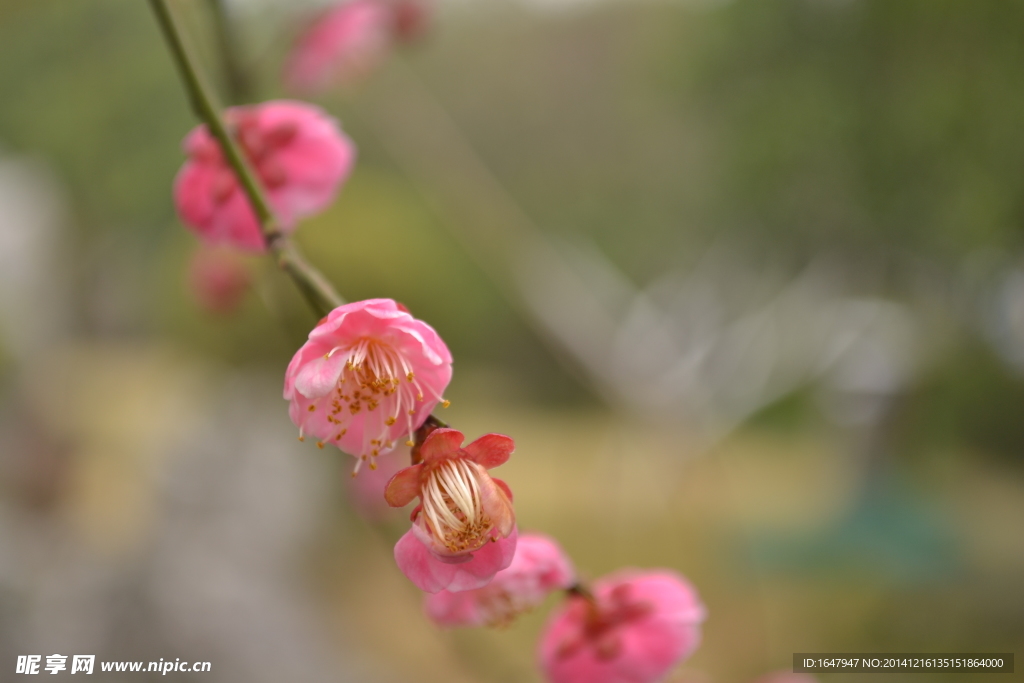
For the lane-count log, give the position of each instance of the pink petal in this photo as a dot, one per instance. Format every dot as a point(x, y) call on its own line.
point(453, 609)
point(495, 503)
point(319, 376)
point(487, 562)
point(500, 483)
point(366, 491)
point(416, 562)
point(219, 279)
point(539, 567)
point(440, 444)
point(403, 487)
point(490, 450)
point(430, 574)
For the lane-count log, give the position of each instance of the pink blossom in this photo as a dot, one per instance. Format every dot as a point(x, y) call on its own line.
point(635, 629)
point(464, 514)
point(368, 377)
point(366, 492)
point(218, 279)
point(432, 573)
point(538, 568)
point(299, 154)
point(341, 46)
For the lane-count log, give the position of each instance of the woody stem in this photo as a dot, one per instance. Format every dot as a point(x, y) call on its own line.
point(317, 291)
point(581, 590)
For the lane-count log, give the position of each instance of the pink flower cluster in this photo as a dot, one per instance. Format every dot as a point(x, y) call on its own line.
point(369, 375)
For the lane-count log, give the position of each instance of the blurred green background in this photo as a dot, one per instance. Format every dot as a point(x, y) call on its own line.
point(743, 280)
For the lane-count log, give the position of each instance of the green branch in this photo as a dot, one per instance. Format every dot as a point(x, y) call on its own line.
point(311, 283)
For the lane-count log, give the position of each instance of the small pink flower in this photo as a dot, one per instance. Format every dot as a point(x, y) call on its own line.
point(218, 279)
point(637, 627)
point(298, 153)
point(341, 46)
point(366, 492)
point(368, 377)
point(465, 517)
point(538, 568)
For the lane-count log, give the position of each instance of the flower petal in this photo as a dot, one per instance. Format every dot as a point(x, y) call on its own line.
point(440, 444)
point(496, 505)
point(319, 376)
point(504, 487)
point(403, 487)
point(491, 450)
point(422, 568)
point(487, 562)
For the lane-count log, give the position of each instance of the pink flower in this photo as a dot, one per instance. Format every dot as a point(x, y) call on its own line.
point(637, 627)
point(369, 376)
point(366, 492)
point(538, 568)
point(218, 279)
point(341, 46)
point(298, 152)
point(464, 518)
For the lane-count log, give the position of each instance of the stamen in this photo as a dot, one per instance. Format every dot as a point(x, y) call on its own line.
point(453, 506)
point(377, 390)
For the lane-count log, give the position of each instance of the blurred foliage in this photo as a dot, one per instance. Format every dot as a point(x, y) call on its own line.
point(881, 130)
point(869, 124)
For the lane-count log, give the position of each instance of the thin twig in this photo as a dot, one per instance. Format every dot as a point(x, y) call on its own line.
point(314, 287)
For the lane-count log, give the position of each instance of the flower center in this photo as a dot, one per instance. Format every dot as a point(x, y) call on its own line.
point(378, 387)
point(453, 506)
point(602, 621)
